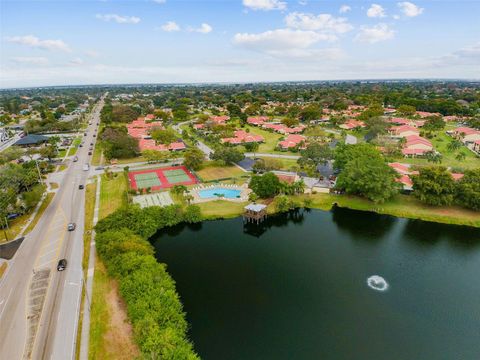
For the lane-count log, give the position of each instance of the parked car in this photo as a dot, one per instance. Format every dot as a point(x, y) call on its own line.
point(80, 187)
point(84, 134)
point(62, 264)
point(94, 135)
point(100, 168)
point(71, 226)
point(89, 153)
point(75, 158)
point(12, 216)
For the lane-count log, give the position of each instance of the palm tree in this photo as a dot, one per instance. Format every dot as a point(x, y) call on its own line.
point(461, 156)
point(433, 156)
point(454, 145)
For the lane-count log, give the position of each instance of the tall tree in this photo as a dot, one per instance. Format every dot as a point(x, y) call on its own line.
point(434, 185)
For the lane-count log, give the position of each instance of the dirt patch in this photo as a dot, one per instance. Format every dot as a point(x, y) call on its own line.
point(119, 336)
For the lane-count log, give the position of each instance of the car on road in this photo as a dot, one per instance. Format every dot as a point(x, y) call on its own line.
point(86, 167)
point(62, 264)
point(75, 158)
point(89, 153)
point(81, 145)
point(71, 226)
point(94, 135)
point(80, 187)
point(84, 134)
point(100, 168)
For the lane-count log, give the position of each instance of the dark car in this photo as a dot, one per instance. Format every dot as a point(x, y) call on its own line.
point(84, 134)
point(71, 226)
point(91, 144)
point(94, 135)
point(62, 264)
point(12, 216)
point(89, 153)
point(80, 187)
point(81, 145)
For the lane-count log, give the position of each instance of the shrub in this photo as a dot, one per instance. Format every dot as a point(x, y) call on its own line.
point(153, 305)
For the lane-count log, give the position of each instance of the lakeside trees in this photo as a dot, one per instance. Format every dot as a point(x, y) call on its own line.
point(369, 177)
point(434, 185)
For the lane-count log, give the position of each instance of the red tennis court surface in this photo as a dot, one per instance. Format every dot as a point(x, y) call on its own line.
point(161, 178)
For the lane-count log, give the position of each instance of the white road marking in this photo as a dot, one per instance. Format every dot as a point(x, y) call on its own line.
point(6, 302)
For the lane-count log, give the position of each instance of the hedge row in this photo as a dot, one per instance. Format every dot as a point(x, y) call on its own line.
point(153, 305)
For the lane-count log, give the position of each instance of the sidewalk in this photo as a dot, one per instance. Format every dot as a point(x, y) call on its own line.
point(85, 337)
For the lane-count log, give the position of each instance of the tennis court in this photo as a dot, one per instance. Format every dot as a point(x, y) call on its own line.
point(161, 178)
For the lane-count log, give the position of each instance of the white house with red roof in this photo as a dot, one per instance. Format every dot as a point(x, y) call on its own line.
point(150, 144)
point(352, 124)
point(257, 120)
point(425, 114)
point(242, 137)
point(404, 170)
point(466, 134)
point(404, 131)
point(476, 146)
point(416, 145)
point(291, 141)
point(139, 128)
point(220, 120)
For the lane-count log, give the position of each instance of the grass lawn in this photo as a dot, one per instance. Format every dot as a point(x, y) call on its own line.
point(401, 206)
point(112, 195)
point(440, 143)
point(221, 209)
point(16, 225)
point(271, 141)
point(74, 147)
point(97, 158)
point(3, 268)
point(110, 332)
point(40, 212)
point(285, 164)
point(212, 170)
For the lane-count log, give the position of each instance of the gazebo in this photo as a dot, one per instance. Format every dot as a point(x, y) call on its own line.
point(255, 213)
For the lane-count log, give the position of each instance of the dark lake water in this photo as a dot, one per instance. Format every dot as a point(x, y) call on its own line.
point(296, 288)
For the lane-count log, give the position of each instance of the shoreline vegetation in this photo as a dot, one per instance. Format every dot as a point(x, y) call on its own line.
point(402, 206)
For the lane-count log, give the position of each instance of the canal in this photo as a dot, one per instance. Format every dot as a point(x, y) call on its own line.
point(297, 287)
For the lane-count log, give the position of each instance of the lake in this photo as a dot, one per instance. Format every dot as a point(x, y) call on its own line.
point(296, 287)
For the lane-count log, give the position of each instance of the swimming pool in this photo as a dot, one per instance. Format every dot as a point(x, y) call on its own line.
point(219, 192)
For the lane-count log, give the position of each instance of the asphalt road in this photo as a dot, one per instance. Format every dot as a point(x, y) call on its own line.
point(42, 248)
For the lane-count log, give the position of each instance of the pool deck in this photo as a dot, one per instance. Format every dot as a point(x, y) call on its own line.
point(244, 193)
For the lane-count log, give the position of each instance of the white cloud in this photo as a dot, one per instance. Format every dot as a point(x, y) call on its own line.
point(76, 61)
point(35, 42)
point(265, 4)
point(118, 18)
point(30, 60)
point(376, 11)
point(410, 9)
point(282, 42)
point(170, 26)
point(321, 22)
point(374, 34)
point(203, 29)
point(92, 53)
point(344, 9)
point(160, 1)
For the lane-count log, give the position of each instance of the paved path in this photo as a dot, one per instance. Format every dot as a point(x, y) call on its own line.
point(278, 156)
point(84, 342)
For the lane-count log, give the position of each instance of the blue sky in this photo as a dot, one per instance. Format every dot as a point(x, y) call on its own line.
point(68, 42)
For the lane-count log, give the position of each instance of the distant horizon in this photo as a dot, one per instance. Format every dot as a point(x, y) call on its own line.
point(226, 83)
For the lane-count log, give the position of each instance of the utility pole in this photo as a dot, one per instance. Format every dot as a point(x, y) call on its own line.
point(5, 231)
point(39, 173)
